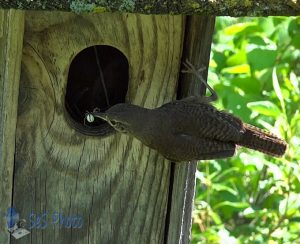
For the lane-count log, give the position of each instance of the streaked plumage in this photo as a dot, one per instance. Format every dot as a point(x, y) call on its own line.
point(191, 129)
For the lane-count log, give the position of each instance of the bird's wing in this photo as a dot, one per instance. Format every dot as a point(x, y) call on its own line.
point(205, 121)
point(190, 147)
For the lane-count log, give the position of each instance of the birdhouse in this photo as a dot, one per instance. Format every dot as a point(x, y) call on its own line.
point(70, 178)
point(78, 182)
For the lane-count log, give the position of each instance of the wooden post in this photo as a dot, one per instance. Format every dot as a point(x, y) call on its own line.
point(198, 38)
point(118, 186)
point(11, 41)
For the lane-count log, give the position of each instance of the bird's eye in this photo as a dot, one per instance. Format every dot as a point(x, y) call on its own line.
point(121, 129)
point(113, 122)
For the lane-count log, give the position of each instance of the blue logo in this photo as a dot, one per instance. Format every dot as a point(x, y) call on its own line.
point(15, 225)
point(46, 219)
point(12, 217)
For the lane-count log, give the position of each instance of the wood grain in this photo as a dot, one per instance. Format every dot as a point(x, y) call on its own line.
point(117, 185)
point(11, 40)
point(2, 22)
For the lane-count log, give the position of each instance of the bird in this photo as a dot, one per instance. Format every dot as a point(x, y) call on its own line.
point(190, 129)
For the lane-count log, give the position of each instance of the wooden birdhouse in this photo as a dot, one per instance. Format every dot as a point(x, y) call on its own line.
point(67, 181)
point(74, 182)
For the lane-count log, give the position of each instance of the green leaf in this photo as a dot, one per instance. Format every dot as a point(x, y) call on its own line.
point(220, 187)
point(295, 122)
point(260, 59)
point(216, 218)
point(293, 28)
point(290, 204)
point(237, 58)
point(296, 41)
point(278, 90)
point(294, 82)
point(247, 84)
point(224, 173)
point(237, 205)
point(238, 69)
point(242, 28)
point(258, 40)
point(234, 29)
point(265, 107)
point(267, 25)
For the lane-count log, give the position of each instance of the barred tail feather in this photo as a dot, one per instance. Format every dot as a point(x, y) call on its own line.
point(262, 141)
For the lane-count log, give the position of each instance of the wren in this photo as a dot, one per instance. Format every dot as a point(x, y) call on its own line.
point(191, 128)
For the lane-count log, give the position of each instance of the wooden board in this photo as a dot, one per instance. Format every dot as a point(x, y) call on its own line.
point(197, 43)
point(11, 41)
point(118, 186)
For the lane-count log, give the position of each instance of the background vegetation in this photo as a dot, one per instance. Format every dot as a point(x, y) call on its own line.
point(253, 198)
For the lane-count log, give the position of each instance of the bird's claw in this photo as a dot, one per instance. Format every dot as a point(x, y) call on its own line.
point(190, 68)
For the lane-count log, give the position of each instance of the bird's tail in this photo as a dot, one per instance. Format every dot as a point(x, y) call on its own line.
point(262, 141)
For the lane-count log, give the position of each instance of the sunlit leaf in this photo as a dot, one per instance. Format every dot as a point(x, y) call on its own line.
point(267, 25)
point(216, 218)
point(295, 121)
point(238, 205)
point(237, 58)
point(252, 213)
point(265, 107)
point(290, 205)
point(266, 125)
point(295, 82)
point(234, 29)
point(253, 195)
point(225, 237)
point(278, 90)
point(275, 170)
point(238, 69)
point(253, 159)
point(220, 187)
point(212, 63)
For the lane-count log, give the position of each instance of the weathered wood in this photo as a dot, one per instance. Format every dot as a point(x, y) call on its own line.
point(199, 32)
point(11, 41)
point(119, 186)
point(208, 7)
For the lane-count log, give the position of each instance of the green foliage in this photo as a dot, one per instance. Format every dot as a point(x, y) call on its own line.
point(253, 198)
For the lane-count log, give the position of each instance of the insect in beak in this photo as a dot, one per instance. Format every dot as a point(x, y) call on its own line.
point(90, 116)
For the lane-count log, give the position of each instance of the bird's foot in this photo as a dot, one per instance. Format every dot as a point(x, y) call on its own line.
point(190, 68)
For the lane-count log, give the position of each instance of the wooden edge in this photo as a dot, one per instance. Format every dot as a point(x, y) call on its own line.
point(200, 7)
point(11, 43)
point(198, 39)
point(1, 22)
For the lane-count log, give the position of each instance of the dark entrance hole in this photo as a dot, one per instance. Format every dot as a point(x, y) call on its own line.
point(98, 78)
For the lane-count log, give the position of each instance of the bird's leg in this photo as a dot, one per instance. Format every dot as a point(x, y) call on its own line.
point(190, 68)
